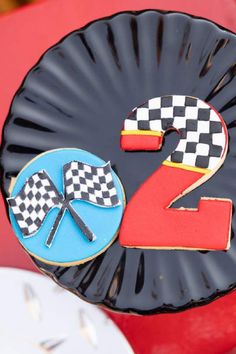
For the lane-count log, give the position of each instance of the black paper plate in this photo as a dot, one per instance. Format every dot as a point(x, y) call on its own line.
point(78, 96)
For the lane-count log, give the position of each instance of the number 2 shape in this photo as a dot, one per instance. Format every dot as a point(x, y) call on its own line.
point(148, 221)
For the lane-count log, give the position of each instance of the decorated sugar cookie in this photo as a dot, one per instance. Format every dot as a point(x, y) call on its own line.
point(149, 221)
point(66, 206)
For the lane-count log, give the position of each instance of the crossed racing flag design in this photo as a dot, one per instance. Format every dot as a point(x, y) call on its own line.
point(39, 195)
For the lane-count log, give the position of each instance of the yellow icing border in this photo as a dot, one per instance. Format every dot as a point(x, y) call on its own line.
point(141, 132)
point(185, 167)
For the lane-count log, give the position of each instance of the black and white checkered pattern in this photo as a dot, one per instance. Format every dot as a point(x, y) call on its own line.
point(90, 183)
point(33, 202)
point(202, 137)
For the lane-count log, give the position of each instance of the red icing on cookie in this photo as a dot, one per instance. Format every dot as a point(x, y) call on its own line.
point(140, 142)
point(149, 223)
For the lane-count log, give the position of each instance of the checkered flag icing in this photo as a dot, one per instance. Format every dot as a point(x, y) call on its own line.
point(201, 130)
point(31, 205)
point(39, 195)
point(91, 184)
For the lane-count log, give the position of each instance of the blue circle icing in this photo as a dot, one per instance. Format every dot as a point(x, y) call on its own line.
point(69, 245)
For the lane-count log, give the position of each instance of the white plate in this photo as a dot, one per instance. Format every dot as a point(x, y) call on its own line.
point(38, 317)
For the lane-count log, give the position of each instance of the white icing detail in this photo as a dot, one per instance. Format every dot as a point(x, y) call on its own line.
point(108, 178)
point(154, 103)
point(180, 123)
point(69, 174)
point(69, 189)
point(203, 126)
point(218, 139)
point(41, 214)
point(167, 112)
point(182, 145)
point(189, 159)
point(178, 100)
point(202, 104)
point(202, 149)
point(213, 116)
point(83, 188)
point(93, 198)
point(87, 168)
point(191, 112)
point(143, 114)
point(96, 179)
point(27, 189)
point(73, 165)
point(50, 203)
point(130, 124)
point(155, 125)
point(213, 162)
point(90, 183)
point(193, 137)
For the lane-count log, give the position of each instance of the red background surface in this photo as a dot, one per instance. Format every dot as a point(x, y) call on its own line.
point(24, 36)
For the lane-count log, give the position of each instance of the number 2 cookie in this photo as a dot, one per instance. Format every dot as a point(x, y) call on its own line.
point(149, 220)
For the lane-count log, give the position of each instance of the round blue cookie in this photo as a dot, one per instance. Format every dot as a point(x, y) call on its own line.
point(66, 206)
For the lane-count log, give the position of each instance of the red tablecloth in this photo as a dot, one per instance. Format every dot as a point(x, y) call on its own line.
point(24, 36)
